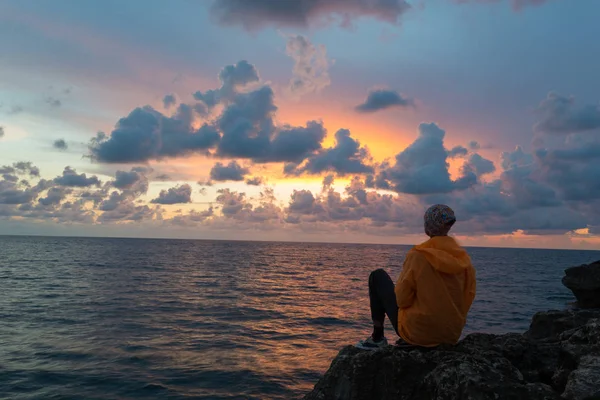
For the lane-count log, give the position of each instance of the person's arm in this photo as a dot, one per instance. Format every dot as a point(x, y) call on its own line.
point(405, 287)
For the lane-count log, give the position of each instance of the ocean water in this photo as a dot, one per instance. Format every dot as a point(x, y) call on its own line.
point(85, 318)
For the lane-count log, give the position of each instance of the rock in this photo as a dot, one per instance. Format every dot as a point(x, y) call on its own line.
point(551, 324)
point(584, 282)
point(557, 358)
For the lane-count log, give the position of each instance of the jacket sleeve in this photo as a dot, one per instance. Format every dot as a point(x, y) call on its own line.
point(405, 287)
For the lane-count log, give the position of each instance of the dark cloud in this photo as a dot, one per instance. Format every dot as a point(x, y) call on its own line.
point(21, 167)
point(147, 134)
point(474, 145)
point(175, 195)
point(516, 158)
point(517, 5)
point(573, 170)
point(162, 177)
point(54, 196)
point(458, 151)
point(120, 207)
point(169, 100)
point(382, 99)
point(244, 130)
point(95, 197)
point(328, 181)
point(356, 204)
point(232, 77)
point(478, 165)
point(422, 168)
point(60, 144)
point(53, 102)
point(13, 192)
point(1, 132)
point(311, 66)
point(70, 178)
point(230, 172)
point(134, 180)
point(346, 157)
point(249, 131)
point(10, 177)
point(560, 115)
point(236, 206)
point(193, 217)
point(231, 203)
point(255, 14)
point(10, 193)
point(255, 181)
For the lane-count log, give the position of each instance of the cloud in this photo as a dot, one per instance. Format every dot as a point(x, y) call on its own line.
point(517, 5)
point(21, 167)
point(53, 102)
point(169, 100)
point(356, 204)
point(255, 14)
point(382, 99)
point(14, 193)
point(232, 78)
point(121, 207)
point(248, 131)
point(474, 145)
point(175, 195)
point(134, 181)
point(245, 129)
point(55, 196)
point(146, 134)
point(560, 115)
point(573, 170)
point(516, 158)
point(60, 144)
point(255, 181)
point(478, 165)
point(70, 178)
point(458, 151)
point(422, 167)
point(193, 217)
point(346, 157)
point(236, 206)
point(162, 177)
point(311, 66)
point(1, 132)
point(230, 172)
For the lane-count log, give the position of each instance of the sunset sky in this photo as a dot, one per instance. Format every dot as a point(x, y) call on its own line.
point(308, 120)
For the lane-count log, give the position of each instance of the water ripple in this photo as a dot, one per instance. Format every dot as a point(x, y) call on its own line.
point(135, 319)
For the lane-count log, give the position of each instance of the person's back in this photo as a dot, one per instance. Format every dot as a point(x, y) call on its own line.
point(443, 278)
point(428, 305)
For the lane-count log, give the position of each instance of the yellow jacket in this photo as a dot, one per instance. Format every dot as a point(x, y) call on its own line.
point(434, 292)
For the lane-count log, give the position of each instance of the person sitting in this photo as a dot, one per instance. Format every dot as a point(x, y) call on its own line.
point(428, 306)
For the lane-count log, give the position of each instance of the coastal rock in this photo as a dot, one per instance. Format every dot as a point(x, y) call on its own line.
point(557, 358)
point(584, 282)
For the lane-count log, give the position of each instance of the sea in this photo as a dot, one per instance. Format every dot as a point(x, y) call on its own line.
point(98, 318)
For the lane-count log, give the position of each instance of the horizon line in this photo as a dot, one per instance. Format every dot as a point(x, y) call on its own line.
point(279, 241)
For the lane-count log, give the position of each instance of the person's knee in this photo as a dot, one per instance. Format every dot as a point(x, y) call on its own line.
point(378, 273)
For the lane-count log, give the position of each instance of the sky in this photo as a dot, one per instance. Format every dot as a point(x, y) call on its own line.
point(306, 120)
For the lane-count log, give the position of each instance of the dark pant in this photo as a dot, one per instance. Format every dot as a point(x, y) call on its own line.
point(383, 298)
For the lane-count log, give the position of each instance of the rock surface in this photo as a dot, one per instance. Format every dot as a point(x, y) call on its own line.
point(584, 282)
point(557, 358)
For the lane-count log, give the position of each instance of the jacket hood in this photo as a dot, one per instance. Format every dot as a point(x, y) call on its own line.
point(445, 254)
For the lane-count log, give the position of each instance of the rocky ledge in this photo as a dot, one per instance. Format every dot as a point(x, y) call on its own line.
point(557, 358)
point(584, 282)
